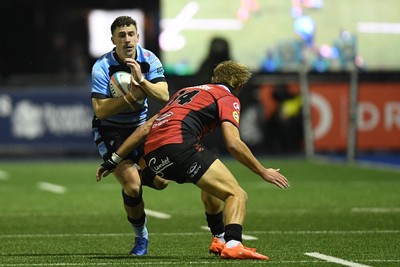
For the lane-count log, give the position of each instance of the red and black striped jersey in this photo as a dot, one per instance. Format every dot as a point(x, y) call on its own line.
point(191, 113)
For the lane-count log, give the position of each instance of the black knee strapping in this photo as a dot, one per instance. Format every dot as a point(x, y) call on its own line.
point(132, 201)
point(139, 221)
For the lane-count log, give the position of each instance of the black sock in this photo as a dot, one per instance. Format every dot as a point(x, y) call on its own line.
point(139, 221)
point(215, 222)
point(233, 232)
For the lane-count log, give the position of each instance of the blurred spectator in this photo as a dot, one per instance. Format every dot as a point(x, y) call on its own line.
point(291, 54)
point(219, 51)
point(58, 58)
point(345, 47)
point(320, 63)
point(270, 63)
point(252, 120)
point(284, 130)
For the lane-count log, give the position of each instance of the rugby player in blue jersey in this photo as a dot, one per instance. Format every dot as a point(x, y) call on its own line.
point(115, 118)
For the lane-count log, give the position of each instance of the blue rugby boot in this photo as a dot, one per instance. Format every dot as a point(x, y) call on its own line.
point(140, 248)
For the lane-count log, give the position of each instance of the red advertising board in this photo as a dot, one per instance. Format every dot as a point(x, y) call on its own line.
point(378, 115)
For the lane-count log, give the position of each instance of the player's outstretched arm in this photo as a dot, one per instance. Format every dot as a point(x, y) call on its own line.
point(108, 166)
point(135, 139)
point(241, 152)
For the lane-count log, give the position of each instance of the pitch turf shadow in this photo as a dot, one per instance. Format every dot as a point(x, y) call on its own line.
point(117, 257)
point(51, 254)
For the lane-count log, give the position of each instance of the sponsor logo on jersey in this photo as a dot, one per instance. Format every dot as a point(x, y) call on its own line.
point(158, 167)
point(236, 105)
point(161, 119)
point(235, 115)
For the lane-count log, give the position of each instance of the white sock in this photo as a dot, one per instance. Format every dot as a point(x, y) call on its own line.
point(221, 238)
point(232, 243)
point(141, 231)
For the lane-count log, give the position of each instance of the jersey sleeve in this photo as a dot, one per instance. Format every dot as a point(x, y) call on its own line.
point(156, 68)
point(229, 110)
point(100, 81)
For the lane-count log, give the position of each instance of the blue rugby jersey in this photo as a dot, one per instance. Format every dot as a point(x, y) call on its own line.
point(106, 66)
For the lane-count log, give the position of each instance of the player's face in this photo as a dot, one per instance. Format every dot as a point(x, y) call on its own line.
point(125, 40)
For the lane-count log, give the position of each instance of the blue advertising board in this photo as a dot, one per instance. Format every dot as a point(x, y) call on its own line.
point(46, 120)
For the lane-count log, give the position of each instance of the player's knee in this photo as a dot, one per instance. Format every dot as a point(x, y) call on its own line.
point(131, 200)
point(238, 194)
point(244, 195)
point(160, 183)
point(241, 194)
point(150, 179)
point(133, 190)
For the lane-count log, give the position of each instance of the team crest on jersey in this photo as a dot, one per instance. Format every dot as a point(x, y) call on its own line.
point(235, 115)
point(160, 70)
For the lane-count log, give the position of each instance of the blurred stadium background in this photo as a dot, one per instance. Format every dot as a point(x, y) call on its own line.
point(326, 72)
point(326, 85)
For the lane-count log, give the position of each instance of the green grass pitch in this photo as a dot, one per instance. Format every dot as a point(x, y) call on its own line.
point(344, 211)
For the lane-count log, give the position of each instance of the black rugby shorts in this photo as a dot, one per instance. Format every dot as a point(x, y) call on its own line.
point(179, 162)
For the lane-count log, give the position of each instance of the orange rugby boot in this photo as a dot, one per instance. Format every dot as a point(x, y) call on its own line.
point(241, 252)
point(217, 246)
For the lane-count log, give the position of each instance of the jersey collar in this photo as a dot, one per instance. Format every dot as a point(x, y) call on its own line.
point(225, 86)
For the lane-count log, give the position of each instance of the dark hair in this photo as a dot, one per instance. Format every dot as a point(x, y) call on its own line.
point(122, 21)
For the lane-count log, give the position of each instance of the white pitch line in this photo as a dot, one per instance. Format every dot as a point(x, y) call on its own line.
point(157, 214)
point(53, 188)
point(334, 259)
point(376, 210)
point(4, 175)
point(244, 237)
point(191, 233)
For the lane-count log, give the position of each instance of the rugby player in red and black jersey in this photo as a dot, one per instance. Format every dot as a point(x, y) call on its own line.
point(173, 151)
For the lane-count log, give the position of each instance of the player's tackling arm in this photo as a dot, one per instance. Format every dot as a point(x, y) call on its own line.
point(135, 139)
point(241, 152)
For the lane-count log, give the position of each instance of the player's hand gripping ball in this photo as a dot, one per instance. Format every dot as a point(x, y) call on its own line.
point(120, 85)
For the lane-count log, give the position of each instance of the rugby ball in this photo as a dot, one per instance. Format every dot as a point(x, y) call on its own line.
point(120, 83)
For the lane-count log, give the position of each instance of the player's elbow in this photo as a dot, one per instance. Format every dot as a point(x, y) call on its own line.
point(99, 109)
point(164, 93)
point(232, 146)
point(165, 98)
point(100, 115)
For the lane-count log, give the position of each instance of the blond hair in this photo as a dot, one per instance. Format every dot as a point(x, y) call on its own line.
point(232, 73)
